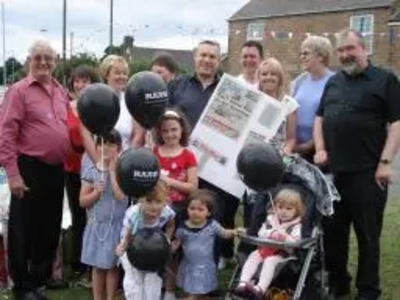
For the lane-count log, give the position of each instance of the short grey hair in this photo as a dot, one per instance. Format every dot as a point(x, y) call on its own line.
point(319, 45)
point(343, 34)
point(210, 43)
point(39, 45)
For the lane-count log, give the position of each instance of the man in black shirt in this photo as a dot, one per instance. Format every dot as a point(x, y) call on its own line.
point(358, 130)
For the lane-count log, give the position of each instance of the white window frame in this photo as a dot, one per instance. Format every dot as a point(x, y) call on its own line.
point(255, 31)
point(355, 23)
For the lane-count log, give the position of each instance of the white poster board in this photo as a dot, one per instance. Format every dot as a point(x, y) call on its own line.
point(234, 116)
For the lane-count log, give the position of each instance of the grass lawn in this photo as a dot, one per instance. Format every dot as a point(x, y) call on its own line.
point(390, 259)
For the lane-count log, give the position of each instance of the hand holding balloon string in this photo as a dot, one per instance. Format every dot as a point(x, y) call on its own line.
point(121, 248)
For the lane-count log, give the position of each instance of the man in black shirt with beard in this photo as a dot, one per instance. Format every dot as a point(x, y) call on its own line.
point(358, 130)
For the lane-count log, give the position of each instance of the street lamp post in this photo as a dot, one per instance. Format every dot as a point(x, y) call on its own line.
point(64, 44)
point(111, 21)
point(4, 43)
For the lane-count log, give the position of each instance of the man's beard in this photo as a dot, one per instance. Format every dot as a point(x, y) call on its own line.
point(350, 66)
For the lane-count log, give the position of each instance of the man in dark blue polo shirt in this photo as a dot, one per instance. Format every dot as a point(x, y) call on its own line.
point(358, 130)
point(190, 93)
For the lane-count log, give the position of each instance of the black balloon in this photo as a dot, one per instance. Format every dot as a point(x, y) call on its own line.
point(149, 250)
point(98, 108)
point(146, 98)
point(260, 166)
point(138, 171)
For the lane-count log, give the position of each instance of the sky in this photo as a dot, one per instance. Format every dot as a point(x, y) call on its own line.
point(174, 24)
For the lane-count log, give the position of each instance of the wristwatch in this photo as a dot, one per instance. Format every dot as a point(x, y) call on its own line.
point(385, 161)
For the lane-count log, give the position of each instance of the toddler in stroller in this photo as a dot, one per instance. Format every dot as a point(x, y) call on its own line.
point(283, 225)
point(297, 259)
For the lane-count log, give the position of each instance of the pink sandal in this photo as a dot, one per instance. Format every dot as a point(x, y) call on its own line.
point(257, 292)
point(243, 290)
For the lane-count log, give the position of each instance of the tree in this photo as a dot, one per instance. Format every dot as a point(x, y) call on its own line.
point(138, 65)
point(75, 61)
point(117, 50)
point(14, 68)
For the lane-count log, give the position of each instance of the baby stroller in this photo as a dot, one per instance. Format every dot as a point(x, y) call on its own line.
point(302, 275)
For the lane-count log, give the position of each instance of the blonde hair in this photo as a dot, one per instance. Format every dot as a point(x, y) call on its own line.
point(275, 67)
point(158, 194)
point(292, 198)
point(319, 45)
point(109, 62)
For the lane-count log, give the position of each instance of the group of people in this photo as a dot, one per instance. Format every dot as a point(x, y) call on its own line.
point(345, 122)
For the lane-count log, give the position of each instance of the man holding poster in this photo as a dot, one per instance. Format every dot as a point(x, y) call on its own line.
point(191, 94)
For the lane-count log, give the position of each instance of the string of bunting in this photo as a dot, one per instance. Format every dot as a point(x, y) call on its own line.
point(278, 34)
point(250, 33)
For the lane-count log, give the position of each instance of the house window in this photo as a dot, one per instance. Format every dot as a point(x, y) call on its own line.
point(365, 25)
point(255, 31)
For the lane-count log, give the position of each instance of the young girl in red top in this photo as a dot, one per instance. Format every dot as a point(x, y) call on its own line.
point(178, 170)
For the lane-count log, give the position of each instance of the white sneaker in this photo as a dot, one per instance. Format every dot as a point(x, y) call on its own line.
point(222, 263)
point(169, 296)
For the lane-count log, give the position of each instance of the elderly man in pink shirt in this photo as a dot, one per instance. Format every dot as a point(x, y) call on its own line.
point(33, 143)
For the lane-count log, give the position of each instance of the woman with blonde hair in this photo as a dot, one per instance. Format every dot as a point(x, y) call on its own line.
point(114, 71)
point(315, 54)
point(273, 82)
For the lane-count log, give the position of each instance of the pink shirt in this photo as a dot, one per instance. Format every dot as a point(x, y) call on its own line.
point(33, 122)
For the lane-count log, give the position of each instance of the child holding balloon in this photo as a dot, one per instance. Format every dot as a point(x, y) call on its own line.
point(179, 171)
point(152, 211)
point(197, 273)
point(106, 205)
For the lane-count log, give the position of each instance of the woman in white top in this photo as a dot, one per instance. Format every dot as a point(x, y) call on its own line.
point(114, 71)
point(273, 82)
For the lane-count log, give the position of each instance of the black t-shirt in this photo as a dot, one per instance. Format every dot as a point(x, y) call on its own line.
point(356, 111)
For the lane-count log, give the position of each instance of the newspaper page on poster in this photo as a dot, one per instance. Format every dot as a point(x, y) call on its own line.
point(235, 115)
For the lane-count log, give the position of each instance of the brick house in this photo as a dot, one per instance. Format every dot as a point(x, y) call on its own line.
point(281, 26)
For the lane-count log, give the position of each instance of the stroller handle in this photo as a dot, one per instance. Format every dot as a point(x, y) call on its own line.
point(304, 243)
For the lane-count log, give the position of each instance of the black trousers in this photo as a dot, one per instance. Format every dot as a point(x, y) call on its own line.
point(362, 205)
point(225, 208)
point(35, 224)
point(78, 216)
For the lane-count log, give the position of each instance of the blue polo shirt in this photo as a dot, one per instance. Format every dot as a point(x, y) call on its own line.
point(188, 94)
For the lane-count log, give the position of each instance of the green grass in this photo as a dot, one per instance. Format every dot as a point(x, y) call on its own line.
point(390, 251)
point(390, 261)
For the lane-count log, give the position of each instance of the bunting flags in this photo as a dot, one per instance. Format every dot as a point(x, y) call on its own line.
point(251, 32)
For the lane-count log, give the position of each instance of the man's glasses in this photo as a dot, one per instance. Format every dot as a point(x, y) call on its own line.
point(41, 57)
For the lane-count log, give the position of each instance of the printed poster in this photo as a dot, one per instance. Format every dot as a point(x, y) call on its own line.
point(235, 115)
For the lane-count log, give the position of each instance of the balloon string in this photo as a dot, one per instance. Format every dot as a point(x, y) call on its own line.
point(102, 158)
point(149, 143)
point(273, 208)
